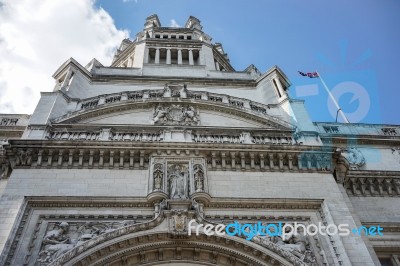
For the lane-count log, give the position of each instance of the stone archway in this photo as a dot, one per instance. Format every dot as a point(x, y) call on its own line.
point(163, 248)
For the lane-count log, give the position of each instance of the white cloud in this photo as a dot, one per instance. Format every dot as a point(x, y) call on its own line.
point(173, 23)
point(127, 1)
point(37, 36)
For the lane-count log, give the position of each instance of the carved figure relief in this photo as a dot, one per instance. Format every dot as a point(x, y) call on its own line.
point(296, 244)
point(65, 236)
point(24, 157)
point(175, 90)
point(354, 157)
point(158, 176)
point(175, 115)
point(198, 175)
point(177, 181)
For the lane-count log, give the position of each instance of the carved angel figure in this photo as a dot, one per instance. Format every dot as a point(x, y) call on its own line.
point(159, 113)
point(190, 114)
point(58, 235)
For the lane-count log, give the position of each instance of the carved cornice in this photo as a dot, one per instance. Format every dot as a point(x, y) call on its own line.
point(373, 183)
point(136, 155)
point(246, 203)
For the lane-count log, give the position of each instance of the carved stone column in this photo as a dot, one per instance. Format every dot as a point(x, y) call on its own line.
point(191, 57)
point(179, 57)
point(146, 55)
point(157, 59)
point(168, 56)
point(217, 66)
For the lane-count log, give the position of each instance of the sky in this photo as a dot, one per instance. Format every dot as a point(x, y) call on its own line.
point(354, 45)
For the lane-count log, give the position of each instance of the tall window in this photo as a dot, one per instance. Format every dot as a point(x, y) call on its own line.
point(277, 88)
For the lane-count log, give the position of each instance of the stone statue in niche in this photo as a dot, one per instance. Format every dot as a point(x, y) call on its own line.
point(177, 180)
point(198, 175)
point(158, 175)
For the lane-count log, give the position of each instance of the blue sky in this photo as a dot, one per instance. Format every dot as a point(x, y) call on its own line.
point(351, 43)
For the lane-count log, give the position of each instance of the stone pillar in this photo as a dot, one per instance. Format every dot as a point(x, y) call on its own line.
point(157, 59)
point(146, 55)
point(217, 66)
point(201, 59)
point(191, 58)
point(179, 57)
point(168, 56)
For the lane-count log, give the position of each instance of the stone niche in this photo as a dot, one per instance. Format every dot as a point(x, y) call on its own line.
point(178, 179)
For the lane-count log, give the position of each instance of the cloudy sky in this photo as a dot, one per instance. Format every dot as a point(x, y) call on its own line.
point(353, 44)
point(37, 36)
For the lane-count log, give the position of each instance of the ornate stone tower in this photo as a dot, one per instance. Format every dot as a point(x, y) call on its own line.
point(120, 164)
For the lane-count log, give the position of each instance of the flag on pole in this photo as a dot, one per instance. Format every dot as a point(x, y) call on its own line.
point(309, 74)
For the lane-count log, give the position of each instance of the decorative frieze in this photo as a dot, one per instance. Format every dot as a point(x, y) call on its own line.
point(216, 138)
point(126, 136)
point(331, 129)
point(130, 158)
point(90, 104)
point(60, 237)
point(8, 121)
point(80, 158)
point(378, 186)
point(113, 99)
point(389, 131)
point(257, 108)
point(73, 135)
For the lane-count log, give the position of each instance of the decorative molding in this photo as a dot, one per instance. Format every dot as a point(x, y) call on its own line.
point(8, 121)
point(117, 155)
point(372, 183)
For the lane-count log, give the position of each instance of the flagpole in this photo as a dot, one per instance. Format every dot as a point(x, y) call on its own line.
point(333, 100)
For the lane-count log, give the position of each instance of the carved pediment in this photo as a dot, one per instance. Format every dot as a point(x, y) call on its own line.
point(174, 105)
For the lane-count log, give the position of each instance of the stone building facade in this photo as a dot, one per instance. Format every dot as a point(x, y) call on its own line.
point(116, 163)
